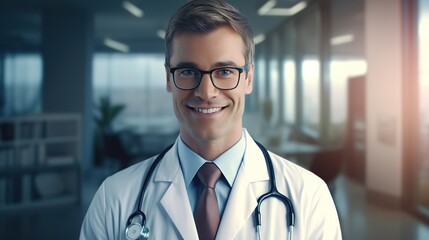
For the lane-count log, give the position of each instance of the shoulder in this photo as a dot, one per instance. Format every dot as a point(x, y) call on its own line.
point(129, 178)
point(129, 181)
point(290, 173)
point(283, 164)
point(286, 172)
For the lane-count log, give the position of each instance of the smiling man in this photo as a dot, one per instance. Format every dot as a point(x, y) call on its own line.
point(208, 82)
point(210, 183)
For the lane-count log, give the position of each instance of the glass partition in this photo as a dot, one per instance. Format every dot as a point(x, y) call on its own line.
point(347, 62)
point(274, 78)
point(309, 55)
point(289, 74)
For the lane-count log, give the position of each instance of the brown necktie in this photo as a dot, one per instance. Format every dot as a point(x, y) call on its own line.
point(207, 213)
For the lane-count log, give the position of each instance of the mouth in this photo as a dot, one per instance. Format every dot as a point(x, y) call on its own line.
point(207, 110)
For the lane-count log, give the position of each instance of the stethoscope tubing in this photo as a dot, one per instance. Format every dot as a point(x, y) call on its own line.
point(274, 192)
point(138, 211)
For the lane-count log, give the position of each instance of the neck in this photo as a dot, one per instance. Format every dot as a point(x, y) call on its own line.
point(210, 149)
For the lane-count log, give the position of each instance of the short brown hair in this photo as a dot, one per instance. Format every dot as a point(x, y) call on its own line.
point(204, 16)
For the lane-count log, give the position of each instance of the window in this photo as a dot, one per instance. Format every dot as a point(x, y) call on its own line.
point(139, 82)
point(308, 39)
point(21, 84)
point(260, 72)
point(341, 70)
point(347, 60)
point(274, 78)
point(289, 90)
point(289, 74)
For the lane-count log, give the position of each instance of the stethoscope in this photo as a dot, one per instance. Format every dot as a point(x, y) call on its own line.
point(139, 230)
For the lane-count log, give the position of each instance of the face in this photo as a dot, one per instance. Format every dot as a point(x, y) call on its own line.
point(207, 113)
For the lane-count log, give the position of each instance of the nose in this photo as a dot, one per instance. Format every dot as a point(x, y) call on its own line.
point(206, 90)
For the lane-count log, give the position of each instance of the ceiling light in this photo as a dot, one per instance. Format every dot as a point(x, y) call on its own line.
point(133, 9)
point(116, 45)
point(266, 7)
point(270, 10)
point(297, 8)
point(338, 40)
point(161, 33)
point(259, 38)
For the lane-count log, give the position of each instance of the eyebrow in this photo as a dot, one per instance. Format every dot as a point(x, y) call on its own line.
point(187, 64)
point(216, 65)
point(226, 64)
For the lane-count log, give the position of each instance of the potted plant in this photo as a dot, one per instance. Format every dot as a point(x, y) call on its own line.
point(105, 115)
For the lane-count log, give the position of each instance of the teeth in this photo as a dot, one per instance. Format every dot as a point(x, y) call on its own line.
point(207, 110)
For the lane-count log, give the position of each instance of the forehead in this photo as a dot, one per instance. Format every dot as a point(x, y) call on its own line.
point(222, 44)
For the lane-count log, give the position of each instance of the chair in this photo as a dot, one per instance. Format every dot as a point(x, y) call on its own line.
point(328, 165)
point(119, 146)
point(301, 136)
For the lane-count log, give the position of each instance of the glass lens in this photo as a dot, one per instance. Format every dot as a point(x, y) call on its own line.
point(225, 78)
point(186, 78)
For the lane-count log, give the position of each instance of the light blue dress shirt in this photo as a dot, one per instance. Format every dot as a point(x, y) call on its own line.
point(229, 163)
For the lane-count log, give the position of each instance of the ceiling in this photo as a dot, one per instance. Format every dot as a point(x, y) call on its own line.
point(21, 21)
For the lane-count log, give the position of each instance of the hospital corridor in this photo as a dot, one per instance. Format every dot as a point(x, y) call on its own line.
point(339, 88)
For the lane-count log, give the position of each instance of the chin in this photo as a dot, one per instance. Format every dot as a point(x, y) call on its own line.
point(207, 135)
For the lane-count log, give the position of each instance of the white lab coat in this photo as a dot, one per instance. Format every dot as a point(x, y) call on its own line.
point(169, 214)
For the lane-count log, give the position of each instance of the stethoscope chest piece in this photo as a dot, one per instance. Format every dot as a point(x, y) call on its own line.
point(136, 232)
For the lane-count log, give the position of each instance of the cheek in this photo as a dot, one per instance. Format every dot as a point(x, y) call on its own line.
point(178, 98)
point(177, 107)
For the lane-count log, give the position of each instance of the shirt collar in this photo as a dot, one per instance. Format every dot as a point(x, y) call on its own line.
point(228, 162)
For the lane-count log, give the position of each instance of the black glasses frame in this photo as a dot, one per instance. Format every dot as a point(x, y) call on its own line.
point(245, 68)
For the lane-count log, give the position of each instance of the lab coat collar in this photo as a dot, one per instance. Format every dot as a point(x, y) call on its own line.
point(175, 200)
point(253, 159)
point(244, 194)
point(241, 202)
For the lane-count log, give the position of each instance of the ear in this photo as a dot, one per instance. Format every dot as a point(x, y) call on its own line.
point(249, 80)
point(168, 78)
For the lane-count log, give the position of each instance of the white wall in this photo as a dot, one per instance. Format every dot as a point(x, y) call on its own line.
point(384, 96)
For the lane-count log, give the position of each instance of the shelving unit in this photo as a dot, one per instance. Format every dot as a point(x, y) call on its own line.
point(39, 161)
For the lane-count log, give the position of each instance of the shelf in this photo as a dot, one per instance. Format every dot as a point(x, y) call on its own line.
point(39, 161)
point(14, 171)
point(58, 201)
point(26, 142)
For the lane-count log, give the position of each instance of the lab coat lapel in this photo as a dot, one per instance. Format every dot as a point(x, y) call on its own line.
point(244, 193)
point(175, 200)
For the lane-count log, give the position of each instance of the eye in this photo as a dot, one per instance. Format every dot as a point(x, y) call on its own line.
point(223, 72)
point(187, 72)
point(226, 73)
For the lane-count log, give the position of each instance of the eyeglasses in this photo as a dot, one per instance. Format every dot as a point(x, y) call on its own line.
point(223, 78)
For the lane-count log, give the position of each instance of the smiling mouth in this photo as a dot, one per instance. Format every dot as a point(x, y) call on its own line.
point(207, 110)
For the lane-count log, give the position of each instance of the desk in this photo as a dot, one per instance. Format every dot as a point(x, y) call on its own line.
point(298, 152)
point(293, 148)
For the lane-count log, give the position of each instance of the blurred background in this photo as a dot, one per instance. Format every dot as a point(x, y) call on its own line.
point(341, 88)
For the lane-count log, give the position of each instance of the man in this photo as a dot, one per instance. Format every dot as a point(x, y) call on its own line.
point(209, 70)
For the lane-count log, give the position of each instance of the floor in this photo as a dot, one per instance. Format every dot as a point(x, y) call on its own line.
point(359, 218)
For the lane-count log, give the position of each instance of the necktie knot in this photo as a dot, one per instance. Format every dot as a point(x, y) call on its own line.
point(209, 174)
